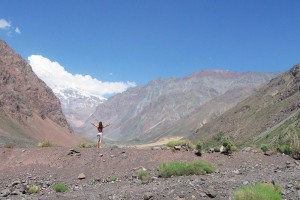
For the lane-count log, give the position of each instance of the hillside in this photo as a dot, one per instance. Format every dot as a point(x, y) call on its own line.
point(270, 116)
point(29, 111)
point(146, 113)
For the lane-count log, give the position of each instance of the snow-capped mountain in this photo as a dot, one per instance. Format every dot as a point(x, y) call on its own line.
point(77, 105)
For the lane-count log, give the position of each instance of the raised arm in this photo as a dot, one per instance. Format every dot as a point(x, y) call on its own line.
point(107, 125)
point(94, 125)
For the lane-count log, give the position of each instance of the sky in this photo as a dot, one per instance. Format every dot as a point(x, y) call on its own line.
point(117, 44)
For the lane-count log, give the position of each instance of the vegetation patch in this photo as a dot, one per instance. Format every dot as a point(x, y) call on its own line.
point(186, 143)
point(113, 179)
point(59, 187)
point(261, 191)
point(34, 189)
point(264, 148)
point(86, 145)
point(169, 169)
point(143, 176)
point(229, 145)
point(45, 143)
point(8, 145)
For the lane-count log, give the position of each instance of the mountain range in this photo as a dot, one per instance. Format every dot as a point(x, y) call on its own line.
point(29, 110)
point(175, 106)
point(269, 116)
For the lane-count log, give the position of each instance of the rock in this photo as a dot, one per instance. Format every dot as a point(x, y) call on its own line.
point(198, 153)
point(236, 171)
point(73, 152)
point(156, 148)
point(223, 149)
point(5, 193)
point(211, 193)
point(81, 176)
point(247, 149)
point(177, 147)
point(269, 153)
point(148, 195)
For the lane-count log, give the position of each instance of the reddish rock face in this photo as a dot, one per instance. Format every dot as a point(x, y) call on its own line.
point(22, 93)
point(29, 110)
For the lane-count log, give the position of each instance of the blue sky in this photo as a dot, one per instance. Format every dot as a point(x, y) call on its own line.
point(140, 40)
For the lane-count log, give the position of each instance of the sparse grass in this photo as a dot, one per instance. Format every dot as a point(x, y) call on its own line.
point(286, 149)
point(264, 148)
point(113, 178)
point(8, 145)
point(199, 146)
point(59, 187)
point(34, 189)
point(187, 143)
point(229, 145)
point(86, 145)
point(45, 143)
point(143, 176)
point(261, 191)
point(166, 170)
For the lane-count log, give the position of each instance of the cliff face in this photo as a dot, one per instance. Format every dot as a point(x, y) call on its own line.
point(23, 96)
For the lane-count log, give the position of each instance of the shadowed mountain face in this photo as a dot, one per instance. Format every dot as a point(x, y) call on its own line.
point(146, 113)
point(271, 115)
point(29, 110)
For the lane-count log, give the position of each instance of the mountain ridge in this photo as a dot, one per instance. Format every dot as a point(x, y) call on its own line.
point(152, 108)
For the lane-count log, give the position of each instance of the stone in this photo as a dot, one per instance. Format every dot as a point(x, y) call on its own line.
point(81, 176)
point(148, 195)
point(177, 147)
point(5, 193)
point(223, 149)
point(156, 148)
point(211, 193)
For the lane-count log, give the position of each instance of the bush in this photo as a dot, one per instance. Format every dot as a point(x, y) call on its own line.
point(86, 145)
point(45, 143)
point(59, 187)
point(216, 149)
point(264, 148)
point(187, 143)
point(286, 149)
point(143, 175)
point(261, 191)
point(166, 170)
point(33, 189)
point(113, 178)
point(8, 145)
point(199, 146)
point(229, 145)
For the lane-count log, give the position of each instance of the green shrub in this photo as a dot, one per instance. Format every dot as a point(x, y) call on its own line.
point(199, 146)
point(86, 145)
point(264, 147)
point(113, 178)
point(143, 176)
point(216, 149)
point(8, 145)
point(187, 143)
point(45, 143)
point(286, 149)
point(229, 145)
point(166, 170)
point(261, 191)
point(34, 189)
point(59, 187)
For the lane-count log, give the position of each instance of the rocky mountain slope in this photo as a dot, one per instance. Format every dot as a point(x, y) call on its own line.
point(271, 115)
point(146, 113)
point(77, 105)
point(29, 111)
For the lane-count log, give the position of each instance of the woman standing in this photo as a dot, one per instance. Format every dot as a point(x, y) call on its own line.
point(100, 128)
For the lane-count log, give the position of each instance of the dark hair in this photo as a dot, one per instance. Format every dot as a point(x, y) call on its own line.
point(100, 127)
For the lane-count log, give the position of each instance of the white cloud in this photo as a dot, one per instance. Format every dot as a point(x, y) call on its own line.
point(55, 76)
point(4, 24)
point(17, 30)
